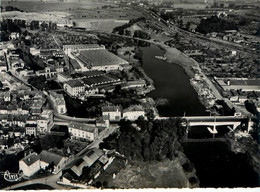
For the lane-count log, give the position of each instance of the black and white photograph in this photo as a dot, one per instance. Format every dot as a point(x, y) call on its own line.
point(129, 94)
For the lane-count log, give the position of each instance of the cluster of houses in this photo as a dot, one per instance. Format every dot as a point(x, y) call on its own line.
point(33, 162)
point(236, 37)
point(116, 113)
point(25, 110)
point(95, 161)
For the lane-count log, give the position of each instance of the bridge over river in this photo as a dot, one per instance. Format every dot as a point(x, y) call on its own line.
point(212, 121)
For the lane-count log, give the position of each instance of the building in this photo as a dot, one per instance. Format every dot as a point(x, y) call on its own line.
point(134, 84)
point(15, 62)
point(101, 60)
point(47, 158)
point(68, 48)
point(63, 77)
point(48, 72)
point(3, 66)
point(102, 122)
point(30, 164)
point(112, 112)
point(133, 112)
point(83, 131)
point(31, 129)
point(45, 121)
point(86, 161)
point(33, 162)
point(14, 35)
point(74, 87)
point(59, 102)
point(243, 84)
point(100, 80)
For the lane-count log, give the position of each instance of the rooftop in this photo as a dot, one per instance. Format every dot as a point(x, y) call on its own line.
point(134, 108)
point(100, 57)
point(75, 83)
point(30, 159)
point(85, 127)
point(99, 80)
point(49, 157)
point(86, 46)
point(112, 108)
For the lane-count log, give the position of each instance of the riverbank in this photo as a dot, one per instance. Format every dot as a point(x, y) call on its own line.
point(209, 94)
point(245, 145)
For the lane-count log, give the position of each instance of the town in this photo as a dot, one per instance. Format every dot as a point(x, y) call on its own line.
point(78, 108)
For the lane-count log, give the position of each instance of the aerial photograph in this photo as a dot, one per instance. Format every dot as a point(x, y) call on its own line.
point(129, 94)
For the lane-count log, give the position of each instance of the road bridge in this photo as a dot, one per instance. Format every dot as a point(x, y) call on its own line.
point(213, 121)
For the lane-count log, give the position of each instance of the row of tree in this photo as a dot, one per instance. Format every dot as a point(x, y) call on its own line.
point(141, 34)
point(150, 140)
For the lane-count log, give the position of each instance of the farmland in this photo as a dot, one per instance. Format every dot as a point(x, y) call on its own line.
point(37, 6)
point(106, 25)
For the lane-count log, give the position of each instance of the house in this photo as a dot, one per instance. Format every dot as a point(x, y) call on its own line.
point(112, 112)
point(59, 102)
point(86, 161)
point(133, 112)
point(33, 162)
point(48, 72)
point(31, 129)
point(95, 160)
point(83, 131)
point(7, 96)
point(14, 35)
point(3, 144)
point(74, 87)
point(45, 121)
point(102, 122)
point(134, 84)
point(47, 157)
point(16, 63)
point(63, 77)
point(30, 164)
point(34, 51)
point(3, 66)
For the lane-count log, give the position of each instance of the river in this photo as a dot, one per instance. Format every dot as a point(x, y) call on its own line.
point(215, 163)
point(171, 85)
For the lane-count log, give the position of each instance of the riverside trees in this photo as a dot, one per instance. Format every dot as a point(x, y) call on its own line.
point(149, 140)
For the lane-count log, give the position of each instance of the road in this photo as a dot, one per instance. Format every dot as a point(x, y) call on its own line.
point(94, 144)
point(170, 27)
point(49, 180)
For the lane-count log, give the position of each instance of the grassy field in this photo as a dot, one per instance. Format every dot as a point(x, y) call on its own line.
point(106, 25)
point(150, 175)
point(38, 6)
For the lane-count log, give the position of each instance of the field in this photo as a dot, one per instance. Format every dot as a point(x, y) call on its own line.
point(106, 25)
point(150, 175)
point(190, 6)
point(37, 6)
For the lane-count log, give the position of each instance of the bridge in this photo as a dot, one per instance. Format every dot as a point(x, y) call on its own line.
point(232, 121)
point(213, 121)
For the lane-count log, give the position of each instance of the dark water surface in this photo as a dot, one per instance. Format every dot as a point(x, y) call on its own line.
point(216, 164)
point(171, 83)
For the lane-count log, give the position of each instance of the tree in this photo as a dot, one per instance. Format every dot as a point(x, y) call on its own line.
point(127, 32)
point(150, 115)
point(177, 37)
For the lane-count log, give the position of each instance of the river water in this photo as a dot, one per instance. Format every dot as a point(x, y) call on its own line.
point(216, 164)
point(171, 85)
